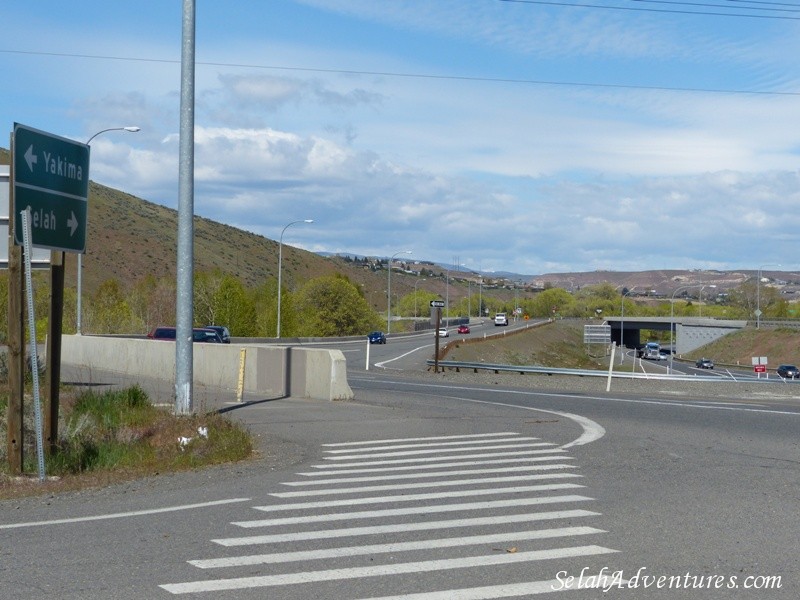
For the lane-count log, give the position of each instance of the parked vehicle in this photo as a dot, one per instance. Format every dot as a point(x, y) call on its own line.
point(162, 333)
point(501, 319)
point(463, 329)
point(204, 334)
point(199, 334)
point(704, 363)
point(788, 371)
point(222, 331)
point(376, 337)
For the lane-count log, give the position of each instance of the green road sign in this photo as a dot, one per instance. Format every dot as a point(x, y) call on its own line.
point(51, 176)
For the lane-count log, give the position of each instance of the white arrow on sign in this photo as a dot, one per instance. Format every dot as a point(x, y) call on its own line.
point(30, 157)
point(72, 223)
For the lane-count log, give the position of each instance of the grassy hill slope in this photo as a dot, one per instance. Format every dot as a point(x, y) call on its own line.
point(560, 344)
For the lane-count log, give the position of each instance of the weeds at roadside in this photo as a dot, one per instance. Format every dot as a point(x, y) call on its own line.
point(119, 435)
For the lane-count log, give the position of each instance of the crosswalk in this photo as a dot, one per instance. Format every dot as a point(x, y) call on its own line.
point(474, 516)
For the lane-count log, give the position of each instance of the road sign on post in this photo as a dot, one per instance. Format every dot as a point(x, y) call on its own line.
point(51, 177)
point(437, 303)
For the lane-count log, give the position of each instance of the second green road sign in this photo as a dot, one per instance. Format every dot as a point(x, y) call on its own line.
point(51, 176)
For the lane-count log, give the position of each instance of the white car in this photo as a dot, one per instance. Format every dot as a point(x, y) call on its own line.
point(443, 332)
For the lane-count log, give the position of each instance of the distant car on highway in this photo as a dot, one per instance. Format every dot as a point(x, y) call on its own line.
point(376, 337)
point(788, 371)
point(463, 329)
point(501, 319)
point(443, 332)
point(704, 363)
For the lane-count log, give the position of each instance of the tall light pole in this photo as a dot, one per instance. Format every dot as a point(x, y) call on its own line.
point(416, 283)
point(758, 293)
point(389, 292)
point(280, 262)
point(622, 326)
point(672, 322)
point(700, 298)
point(132, 129)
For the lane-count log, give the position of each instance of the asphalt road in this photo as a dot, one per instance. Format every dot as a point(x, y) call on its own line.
point(431, 486)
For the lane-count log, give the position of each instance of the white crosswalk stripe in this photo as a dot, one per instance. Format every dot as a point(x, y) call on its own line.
point(488, 533)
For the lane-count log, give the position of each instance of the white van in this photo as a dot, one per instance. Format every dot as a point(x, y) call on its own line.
point(500, 319)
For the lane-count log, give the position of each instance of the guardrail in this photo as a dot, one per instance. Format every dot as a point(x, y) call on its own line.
point(729, 377)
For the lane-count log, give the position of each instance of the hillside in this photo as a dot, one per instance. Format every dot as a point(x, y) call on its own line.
point(128, 238)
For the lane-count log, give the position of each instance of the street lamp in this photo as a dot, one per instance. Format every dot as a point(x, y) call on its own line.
point(131, 129)
point(389, 292)
point(280, 261)
point(672, 322)
point(622, 326)
point(758, 293)
point(416, 283)
point(700, 298)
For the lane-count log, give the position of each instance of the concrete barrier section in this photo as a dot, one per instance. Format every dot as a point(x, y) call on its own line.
point(270, 371)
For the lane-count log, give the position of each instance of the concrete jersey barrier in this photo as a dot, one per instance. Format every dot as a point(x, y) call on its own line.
point(271, 371)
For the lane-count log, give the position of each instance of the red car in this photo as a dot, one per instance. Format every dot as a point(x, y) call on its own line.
point(463, 329)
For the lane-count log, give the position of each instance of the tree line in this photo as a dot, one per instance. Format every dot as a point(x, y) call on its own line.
point(333, 305)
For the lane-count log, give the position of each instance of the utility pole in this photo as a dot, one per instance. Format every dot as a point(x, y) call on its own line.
point(16, 354)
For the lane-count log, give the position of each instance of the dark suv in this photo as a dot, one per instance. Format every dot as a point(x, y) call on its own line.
point(162, 333)
point(199, 334)
point(788, 371)
point(223, 332)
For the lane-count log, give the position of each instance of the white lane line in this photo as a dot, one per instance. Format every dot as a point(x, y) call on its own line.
point(457, 542)
point(492, 592)
point(400, 461)
point(469, 436)
point(436, 451)
point(379, 447)
point(381, 365)
point(467, 463)
point(399, 476)
point(135, 513)
point(446, 564)
point(391, 499)
point(423, 485)
point(456, 493)
point(392, 512)
point(592, 430)
point(326, 534)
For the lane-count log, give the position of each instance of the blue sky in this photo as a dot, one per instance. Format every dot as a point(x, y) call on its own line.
point(505, 136)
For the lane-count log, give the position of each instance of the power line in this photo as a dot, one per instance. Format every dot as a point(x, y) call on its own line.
point(663, 10)
point(542, 82)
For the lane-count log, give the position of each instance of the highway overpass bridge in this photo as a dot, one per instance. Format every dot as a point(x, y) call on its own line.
point(690, 332)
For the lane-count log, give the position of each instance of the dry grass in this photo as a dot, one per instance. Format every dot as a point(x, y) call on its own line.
point(560, 344)
point(119, 436)
point(556, 344)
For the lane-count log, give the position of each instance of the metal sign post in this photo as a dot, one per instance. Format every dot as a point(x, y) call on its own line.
point(25, 217)
point(436, 308)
